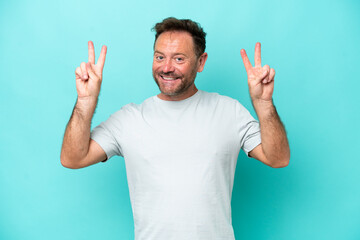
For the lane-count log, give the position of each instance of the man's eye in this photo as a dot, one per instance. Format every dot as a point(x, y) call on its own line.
point(179, 59)
point(159, 57)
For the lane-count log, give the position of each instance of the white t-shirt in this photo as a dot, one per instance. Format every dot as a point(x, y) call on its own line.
point(180, 159)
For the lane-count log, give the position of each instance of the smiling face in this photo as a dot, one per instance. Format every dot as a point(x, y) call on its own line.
point(175, 65)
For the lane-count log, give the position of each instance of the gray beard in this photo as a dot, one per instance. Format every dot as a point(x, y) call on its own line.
point(180, 89)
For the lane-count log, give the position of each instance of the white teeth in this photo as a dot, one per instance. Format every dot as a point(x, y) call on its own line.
point(167, 78)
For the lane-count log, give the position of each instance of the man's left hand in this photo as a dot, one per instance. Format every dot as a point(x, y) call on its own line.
point(260, 79)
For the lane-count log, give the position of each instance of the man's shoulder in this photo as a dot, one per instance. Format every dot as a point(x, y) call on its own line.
point(218, 97)
point(134, 107)
point(224, 102)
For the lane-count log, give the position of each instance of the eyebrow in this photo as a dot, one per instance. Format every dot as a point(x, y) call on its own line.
point(156, 51)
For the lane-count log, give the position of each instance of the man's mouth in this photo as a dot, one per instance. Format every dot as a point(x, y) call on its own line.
point(169, 78)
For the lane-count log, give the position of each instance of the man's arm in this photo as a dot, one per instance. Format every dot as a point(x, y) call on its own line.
point(78, 150)
point(274, 149)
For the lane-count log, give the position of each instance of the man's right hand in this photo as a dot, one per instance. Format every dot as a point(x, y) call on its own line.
point(78, 149)
point(89, 75)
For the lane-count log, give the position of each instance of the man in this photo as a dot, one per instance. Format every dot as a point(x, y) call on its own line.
point(181, 146)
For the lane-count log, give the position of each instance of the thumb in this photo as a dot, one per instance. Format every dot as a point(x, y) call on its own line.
point(91, 71)
point(261, 76)
point(265, 75)
point(266, 70)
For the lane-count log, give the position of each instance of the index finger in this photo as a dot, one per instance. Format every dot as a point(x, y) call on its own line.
point(101, 60)
point(246, 60)
point(91, 52)
point(257, 54)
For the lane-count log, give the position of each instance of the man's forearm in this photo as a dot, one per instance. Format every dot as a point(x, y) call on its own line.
point(77, 134)
point(273, 135)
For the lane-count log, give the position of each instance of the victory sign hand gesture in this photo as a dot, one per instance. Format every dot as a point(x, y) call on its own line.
point(89, 75)
point(260, 79)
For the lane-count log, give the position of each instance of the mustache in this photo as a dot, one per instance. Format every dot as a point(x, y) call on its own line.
point(172, 75)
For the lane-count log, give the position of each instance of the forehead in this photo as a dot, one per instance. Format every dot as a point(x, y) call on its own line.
point(175, 42)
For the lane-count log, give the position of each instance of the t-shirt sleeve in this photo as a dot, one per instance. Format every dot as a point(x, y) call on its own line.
point(106, 134)
point(249, 129)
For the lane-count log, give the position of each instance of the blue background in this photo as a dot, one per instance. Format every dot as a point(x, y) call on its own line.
point(313, 46)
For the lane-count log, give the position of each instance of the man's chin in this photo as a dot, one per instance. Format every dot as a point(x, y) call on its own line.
point(169, 93)
point(175, 92)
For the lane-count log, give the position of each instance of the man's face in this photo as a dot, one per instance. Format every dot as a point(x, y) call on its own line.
point(175, 65)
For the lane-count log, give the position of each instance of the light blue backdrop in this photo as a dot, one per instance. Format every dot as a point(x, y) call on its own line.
point(313, 46)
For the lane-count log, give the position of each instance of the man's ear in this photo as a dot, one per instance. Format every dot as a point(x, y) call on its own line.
point(202, 60)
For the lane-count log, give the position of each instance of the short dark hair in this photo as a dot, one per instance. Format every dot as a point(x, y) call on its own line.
point(187, 25)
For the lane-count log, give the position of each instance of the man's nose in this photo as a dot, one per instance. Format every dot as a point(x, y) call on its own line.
point(168, 66)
